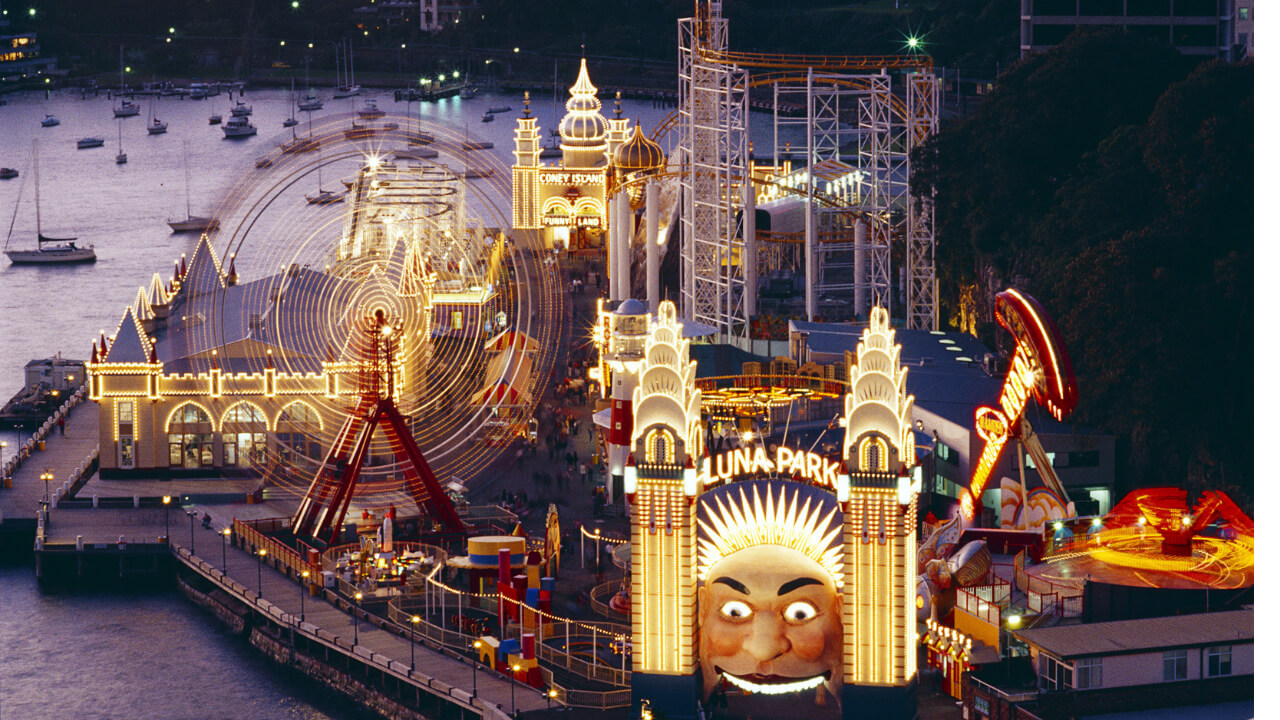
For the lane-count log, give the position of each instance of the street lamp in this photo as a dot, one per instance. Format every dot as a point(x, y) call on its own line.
point(302, 596)
point(413, 621)
point(262, 553)
point(226, 540)
point(475, 663)
point(549, 695)
point(192, 515)
point(46, 476)
point(514, 669)
point(355, 622)
point(3, 445)
point(166, 500)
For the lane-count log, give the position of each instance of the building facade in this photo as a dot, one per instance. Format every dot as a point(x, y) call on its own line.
point(1211, 28)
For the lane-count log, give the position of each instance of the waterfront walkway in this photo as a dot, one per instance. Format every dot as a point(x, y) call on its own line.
point(62, 457)
point(435, 671)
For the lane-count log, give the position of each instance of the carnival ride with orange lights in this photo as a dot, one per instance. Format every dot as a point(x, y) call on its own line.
point(1152, 539)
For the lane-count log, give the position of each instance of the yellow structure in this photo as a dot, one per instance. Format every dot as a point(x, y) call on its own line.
point(567, 201)
point(775, 570)
point(880, 529)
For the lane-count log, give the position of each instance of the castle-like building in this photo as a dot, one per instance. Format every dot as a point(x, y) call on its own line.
point(567, 202)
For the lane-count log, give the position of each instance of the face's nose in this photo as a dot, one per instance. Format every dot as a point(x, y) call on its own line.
point(768, 639)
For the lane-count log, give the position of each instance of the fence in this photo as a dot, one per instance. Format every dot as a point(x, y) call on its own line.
point(984, 601)
point(1039, 590)
point(30, 445)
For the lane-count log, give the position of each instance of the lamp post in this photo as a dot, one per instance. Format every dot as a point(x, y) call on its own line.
point(513, 670)
point(226, 540)
point(302, 596)
point(413, 622)
point(475, 663)
point(262, 553)
point(166, 500)
point(46, 476)
point(191, 515)
point(3, 445)
point(355, 622)
point(551, 693)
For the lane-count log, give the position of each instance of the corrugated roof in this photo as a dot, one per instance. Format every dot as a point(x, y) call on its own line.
point(1129, 636)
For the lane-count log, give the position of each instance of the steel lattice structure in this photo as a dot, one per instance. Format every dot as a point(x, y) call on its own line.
point(854, 124)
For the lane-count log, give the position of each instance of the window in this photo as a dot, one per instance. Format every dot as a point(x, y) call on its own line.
point(190, 438)
point(1054, 675)
point(1219, 661)
point(124, 428)
point(298, 432)
point(1088, 673)
point(1244, 14)
point(1175, 665)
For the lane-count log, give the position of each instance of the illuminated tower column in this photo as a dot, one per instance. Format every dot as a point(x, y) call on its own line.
point(526, 200)
point(879, 532)
point(626, 331)
point(662, 486)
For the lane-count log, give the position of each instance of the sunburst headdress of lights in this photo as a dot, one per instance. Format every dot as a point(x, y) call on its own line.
point(736, 517)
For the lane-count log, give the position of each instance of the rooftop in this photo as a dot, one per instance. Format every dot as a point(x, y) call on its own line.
point(1130, 636)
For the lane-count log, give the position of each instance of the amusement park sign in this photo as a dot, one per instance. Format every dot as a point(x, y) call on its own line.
point(750, 461)
point(1040, 369)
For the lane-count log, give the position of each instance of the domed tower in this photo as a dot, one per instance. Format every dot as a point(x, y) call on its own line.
point(582, 129)
point(635, 158)
point(880, 530)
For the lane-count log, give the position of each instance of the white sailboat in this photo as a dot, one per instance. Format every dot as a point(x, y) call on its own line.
point(154, 125)
point(293, 118)
point(193, 222)
point(311, 102)
point(345, 88)
point(48, 250)
point(121, 157)
point(127, 108)
point(322, 196)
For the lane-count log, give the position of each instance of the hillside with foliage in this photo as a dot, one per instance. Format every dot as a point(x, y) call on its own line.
point(1113, 180)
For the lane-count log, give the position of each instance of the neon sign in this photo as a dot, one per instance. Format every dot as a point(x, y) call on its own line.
point(1040, 370)
point(751, 461)
point(571, 178)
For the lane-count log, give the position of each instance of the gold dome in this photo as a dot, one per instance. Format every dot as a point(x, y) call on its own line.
point(638, 154)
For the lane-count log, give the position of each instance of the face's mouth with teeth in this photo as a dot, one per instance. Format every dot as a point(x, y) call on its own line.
point(773, 684)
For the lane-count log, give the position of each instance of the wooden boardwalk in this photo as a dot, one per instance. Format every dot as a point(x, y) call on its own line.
point(436, 671)
point(61, 457)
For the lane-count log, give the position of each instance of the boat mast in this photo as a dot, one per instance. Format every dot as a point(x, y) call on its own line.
point(186, 165)
point(14, 219)
point(35, 156)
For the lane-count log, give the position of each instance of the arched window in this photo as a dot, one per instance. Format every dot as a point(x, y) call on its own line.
point(190, 437)
point(298, 432)
point(661, 447)
point(873, 454)
point(244, 436)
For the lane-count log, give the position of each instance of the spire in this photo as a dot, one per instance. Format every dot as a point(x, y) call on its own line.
point(526, 104)
point(131, 344)
point(583, 87)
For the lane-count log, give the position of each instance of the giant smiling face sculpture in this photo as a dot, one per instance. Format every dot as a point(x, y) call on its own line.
point(770, 622)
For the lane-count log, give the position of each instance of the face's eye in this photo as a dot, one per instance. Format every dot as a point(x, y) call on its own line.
point(735, 610)
point(799, 612)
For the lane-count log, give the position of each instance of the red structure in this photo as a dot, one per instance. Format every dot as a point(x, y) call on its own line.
point(326, 502)
point(1165, 511)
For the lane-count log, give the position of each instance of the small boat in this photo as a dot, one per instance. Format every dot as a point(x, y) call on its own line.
point(370, 111)
point(127, 108)
point(358, 132)
point(500, 109)
point(215, 119)
point(390, 126)
point(345, 91)
point(488, 117)
point(241, 110)
point(421, 138)
point(467, 93)
point(122, 158)
point(309, 103)
point(477, 173)
point(415, 154)
point(194, 222)
point(89, 142)
point(290, 122)
point(238, 127)
point(157, 127)
point(298, 145)
point(6, 173)
point(326, 197)
point(477, 145)
point(49, 121)
point(264, 162)
point(48, 249)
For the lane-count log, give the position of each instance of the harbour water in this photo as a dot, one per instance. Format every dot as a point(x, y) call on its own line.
point(150, 655)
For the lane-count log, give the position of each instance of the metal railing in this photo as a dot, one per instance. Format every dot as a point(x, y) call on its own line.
point(1011, 697)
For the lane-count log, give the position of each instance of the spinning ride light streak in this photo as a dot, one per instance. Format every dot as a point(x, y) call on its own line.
point(1040, 369)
